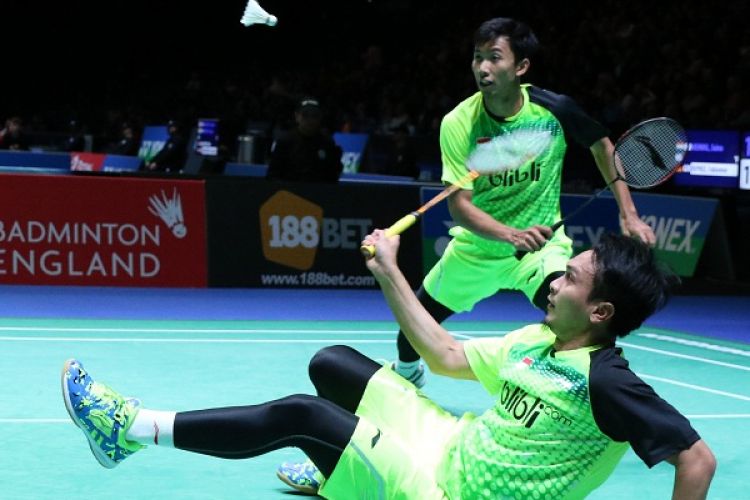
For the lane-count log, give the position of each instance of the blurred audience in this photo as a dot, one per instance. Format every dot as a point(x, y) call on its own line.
point(170, 158)
point(306, 153)
point(616, 62)
point(13, 136)
point(128, 144)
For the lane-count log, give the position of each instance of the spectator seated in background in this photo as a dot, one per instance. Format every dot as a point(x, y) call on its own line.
point(13, 136)
point(75, 140)
point(402, 157)
point(308, 152)
point(128, 144)
point(172, 157)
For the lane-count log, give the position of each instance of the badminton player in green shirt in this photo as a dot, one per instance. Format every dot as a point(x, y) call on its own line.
point(566, 407)
point(498, 215)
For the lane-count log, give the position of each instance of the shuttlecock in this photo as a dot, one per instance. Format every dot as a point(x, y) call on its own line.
point(254, 14)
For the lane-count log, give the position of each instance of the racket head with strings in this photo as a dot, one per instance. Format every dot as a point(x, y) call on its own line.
point(650, 152)
point(503, 152)
point(645, 156)
point(508, 151)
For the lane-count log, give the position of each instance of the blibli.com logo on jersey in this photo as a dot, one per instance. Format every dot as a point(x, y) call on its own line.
point(527, 408)
point(517, 176)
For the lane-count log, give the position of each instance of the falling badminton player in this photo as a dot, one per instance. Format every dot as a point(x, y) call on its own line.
point(498, 215)
point(566, 406)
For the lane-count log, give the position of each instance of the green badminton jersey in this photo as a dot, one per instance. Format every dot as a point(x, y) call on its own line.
point(561, 421)
point(529, 194)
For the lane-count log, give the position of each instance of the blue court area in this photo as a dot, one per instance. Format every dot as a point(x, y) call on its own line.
point(189, 349)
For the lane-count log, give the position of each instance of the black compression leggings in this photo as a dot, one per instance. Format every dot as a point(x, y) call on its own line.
point(438, 311)
point(321, 426)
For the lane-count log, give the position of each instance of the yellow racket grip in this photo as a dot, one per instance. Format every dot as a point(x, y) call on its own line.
point(398, 227)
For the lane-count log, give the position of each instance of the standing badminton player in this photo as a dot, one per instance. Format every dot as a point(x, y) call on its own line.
point(499, 215)
point(567, 407)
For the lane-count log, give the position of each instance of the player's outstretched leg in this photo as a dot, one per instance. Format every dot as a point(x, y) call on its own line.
point(102, 414)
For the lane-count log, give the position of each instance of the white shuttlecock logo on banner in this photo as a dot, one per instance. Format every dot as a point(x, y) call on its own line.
point(254, 14)
point(170, 211)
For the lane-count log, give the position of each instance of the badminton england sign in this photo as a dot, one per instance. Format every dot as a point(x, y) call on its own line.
point(66, 230)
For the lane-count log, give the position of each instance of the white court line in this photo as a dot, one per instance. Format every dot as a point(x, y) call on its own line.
point(198, 341)
point(711, 417)
point(696, 343)
point(228, 330)
point(684, 356)
point(695, 387)
point(35, 421)
point(11, 421)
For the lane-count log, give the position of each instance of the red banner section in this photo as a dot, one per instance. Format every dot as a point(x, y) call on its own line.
point(69, 230)
point(86, 162)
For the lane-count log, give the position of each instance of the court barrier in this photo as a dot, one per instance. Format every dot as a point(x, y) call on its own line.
point(224, 231)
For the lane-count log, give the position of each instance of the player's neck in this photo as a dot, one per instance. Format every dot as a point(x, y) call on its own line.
point(505, 104)
point(569, 343)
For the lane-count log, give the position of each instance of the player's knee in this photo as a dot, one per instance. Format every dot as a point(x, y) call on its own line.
point(325, 361)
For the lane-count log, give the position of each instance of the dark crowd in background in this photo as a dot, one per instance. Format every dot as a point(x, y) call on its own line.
point(379, 67)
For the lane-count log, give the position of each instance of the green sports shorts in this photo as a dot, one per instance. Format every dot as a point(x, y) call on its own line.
point(469, 272)
point(399, 442)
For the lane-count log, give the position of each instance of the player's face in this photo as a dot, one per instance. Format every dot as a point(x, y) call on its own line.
point(495, 67)
point(569, 310)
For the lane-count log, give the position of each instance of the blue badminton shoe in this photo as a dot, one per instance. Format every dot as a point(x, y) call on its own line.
point(302, 476)
point(103, 415)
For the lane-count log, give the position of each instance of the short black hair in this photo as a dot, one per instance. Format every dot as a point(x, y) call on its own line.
point(523, 42)
point(627, 274)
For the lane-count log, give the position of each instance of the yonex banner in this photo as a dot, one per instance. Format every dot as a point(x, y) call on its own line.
point(71, 230)
point(680, 223)
point(271, 234)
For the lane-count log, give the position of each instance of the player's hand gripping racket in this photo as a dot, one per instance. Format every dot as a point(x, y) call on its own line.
point(496, 155)
point(645, 156)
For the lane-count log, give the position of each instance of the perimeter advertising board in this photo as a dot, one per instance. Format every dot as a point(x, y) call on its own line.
point(71, 230)
point(680, 223)
point(302, 235)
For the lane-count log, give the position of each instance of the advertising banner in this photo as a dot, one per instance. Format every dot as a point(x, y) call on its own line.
point(302, 235)
point(98, 162)
point(153, 140)
point(680, 223)
point(352, 147)
point(86, 162)
point(71, 230)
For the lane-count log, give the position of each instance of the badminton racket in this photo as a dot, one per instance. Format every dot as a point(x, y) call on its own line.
point(645, 156)
point(492, 156)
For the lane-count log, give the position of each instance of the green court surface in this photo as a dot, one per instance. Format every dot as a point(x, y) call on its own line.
point(178, 366)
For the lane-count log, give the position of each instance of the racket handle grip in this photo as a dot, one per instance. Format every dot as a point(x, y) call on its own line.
point(554, 227)
point(398, 227)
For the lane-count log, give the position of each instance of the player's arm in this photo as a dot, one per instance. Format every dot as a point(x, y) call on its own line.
point(479, 222)
point(630, 223)
point(443, 354)
point(694, 469)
